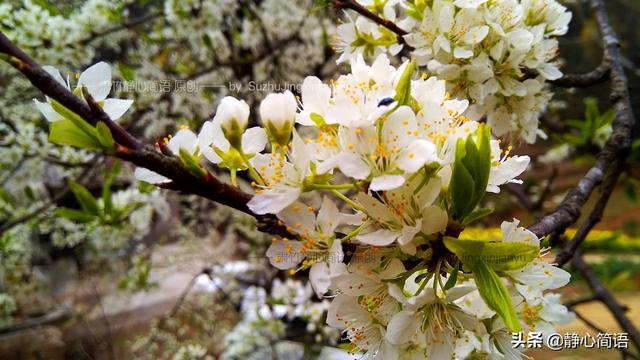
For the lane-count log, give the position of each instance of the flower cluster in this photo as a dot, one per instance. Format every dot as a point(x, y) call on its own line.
point(402, 171)
point(266, 316)
point(496, 53)
point(58, 38)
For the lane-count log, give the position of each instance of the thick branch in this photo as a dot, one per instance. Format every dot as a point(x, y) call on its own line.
point(594, 217)
point(617, 147)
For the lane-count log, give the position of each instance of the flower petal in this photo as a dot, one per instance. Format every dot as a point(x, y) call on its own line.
point(380, 237)
point(419, 153)
point(149, 176)
point(48, 112)
point(115, 108)
point(273, 201)
point(353, 166)
point(402, 327)
point(285, 255)
point(254, 140)
point(386, 182)
point(97, 80)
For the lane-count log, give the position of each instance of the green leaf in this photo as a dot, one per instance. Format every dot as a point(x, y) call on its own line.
point(403, 89)
point(502, 256)
point(75, 131)
point(591, 113)
point(74, 118)
point(65, 132)
point(468, 251)
point(462, 186)
point(478, 160)
point(128, 73)
point(496, 295)
point(104, 136)
point(499, 256)
point(470, 173)
point(85, 199)
point(476, 215)
point(106, 188)
point(75, 215)
point(6, 197)
point(483, 168)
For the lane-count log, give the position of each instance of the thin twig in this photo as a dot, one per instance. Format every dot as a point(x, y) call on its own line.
point(127, 25)
point(597, 76)
point(580, 301)
point(60, 314)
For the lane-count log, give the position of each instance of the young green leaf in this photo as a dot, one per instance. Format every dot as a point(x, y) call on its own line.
point(109, 177)
point(65, 132)
point(74, 118)
point(462, 186)
point(85, 199)
point(75, 215)
point(468, 251)
point(403, 89)
point(502, 256)
point(495, 295)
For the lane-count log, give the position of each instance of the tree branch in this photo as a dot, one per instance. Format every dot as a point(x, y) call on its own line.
point(594, 217)
point(133, 150)
point(58, 315)
point(597, 76)
point(355, 6)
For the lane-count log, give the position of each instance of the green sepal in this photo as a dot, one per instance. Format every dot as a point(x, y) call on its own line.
point(191, 163)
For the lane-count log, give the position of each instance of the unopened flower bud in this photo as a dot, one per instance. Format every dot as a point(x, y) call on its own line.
point(233, 115)
point(278, 113)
